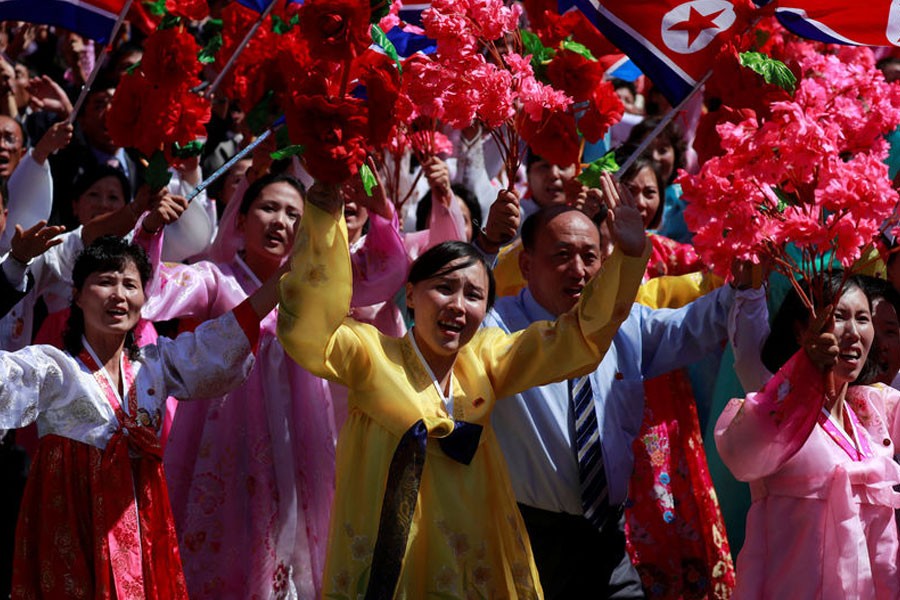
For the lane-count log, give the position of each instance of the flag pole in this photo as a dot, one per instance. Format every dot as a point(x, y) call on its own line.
point(224, 168)
point(218, 80)
point(82, 96)
point(645, 143)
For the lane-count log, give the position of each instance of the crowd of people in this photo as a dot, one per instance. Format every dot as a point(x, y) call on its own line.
point(286, 388)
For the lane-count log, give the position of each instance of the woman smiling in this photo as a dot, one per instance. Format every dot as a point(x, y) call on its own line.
point(423, 504)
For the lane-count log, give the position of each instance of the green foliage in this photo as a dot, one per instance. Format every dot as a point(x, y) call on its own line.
point(381, 39)
point(168, 21)
point(368, 179)
point(773, 71)
point(540, 54)
point(280, 26)
point(577, 48)
point(157, 175)
point(287, 152)
point(208, 52)
point(157, 8)
point(190, 149)
point(590, 175)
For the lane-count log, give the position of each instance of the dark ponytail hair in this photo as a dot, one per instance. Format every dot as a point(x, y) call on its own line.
point(108, 253)
point(793, 317)
point(435, 262)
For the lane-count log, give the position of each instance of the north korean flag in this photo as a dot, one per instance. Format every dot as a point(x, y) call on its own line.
point(91, 18)
point(672, 41)
point(871, 23)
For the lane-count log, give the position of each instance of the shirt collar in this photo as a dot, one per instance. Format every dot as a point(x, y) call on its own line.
point(533, 309)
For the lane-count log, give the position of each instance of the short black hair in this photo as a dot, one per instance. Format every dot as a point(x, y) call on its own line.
point(671, 133)
point(623, 83)
point(94, 173)
point(782, 344)
point(107, 253)
point(265, 181)
point(435, 262)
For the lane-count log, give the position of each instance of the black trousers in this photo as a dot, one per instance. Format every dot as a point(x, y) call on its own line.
point(575, 560)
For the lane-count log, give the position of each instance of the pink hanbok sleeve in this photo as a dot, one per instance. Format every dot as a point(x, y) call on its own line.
point(199, 291)
point(756, 435)
point(379, 264)
point(444, 225)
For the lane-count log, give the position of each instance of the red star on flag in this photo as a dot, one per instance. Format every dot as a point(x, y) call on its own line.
point(696, 24)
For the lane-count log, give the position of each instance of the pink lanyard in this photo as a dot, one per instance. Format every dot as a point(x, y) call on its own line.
point(842, 438)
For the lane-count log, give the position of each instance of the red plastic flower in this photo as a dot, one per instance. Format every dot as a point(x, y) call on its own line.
point(333, 134)
point(604, 110)
point(382, 81)
point(574, 74)
point(170, 58)
point(194, 10)
point(335, 30)
point(553, 137)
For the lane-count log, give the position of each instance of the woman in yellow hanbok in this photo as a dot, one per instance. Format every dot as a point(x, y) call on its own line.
point(423, 506)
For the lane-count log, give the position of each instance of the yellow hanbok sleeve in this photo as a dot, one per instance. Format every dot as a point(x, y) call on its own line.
point(675, 291)
point(575, 343)
point(507, 274)
point(315, 296)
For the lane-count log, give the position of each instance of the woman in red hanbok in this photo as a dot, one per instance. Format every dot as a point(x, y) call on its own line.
point(95, 519)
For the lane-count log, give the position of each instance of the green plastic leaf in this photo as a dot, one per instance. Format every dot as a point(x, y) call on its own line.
point(208, 53)
point(133, 68)
point(287, 152)
point(168, 22)
point(280, 26)
point(260, 116)
point(773, 71)
point(368, 179)
point(190, 149)
point(577, 48)
point(157, 175)
point(381, 40)
point(157, 8)
point(533, 46)
point(590, 175)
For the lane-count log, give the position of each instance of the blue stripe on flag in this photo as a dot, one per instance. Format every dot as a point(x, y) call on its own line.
point(799, 25)
point(407, 43)
point(90, 22)
point(261, 5)
point(674, 86)
point(412, 13)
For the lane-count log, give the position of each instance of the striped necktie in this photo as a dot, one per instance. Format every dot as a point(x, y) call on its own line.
point(594, 490)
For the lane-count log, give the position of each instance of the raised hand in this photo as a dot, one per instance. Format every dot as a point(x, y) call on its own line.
point(502, 222)
point(57, 137)
point(47, 95)
point(819, 343)
point(438, 175)
point(27, 244)
point(625, 223)
point(165, 210)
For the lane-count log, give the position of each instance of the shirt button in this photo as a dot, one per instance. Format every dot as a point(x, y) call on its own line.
point(664, 478)
point(619, 376)
point(150, 391)
point(886, 442)
point(668, 516)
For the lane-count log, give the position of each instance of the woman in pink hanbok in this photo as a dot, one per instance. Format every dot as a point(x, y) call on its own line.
point(251, 474)
point(820, 465)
